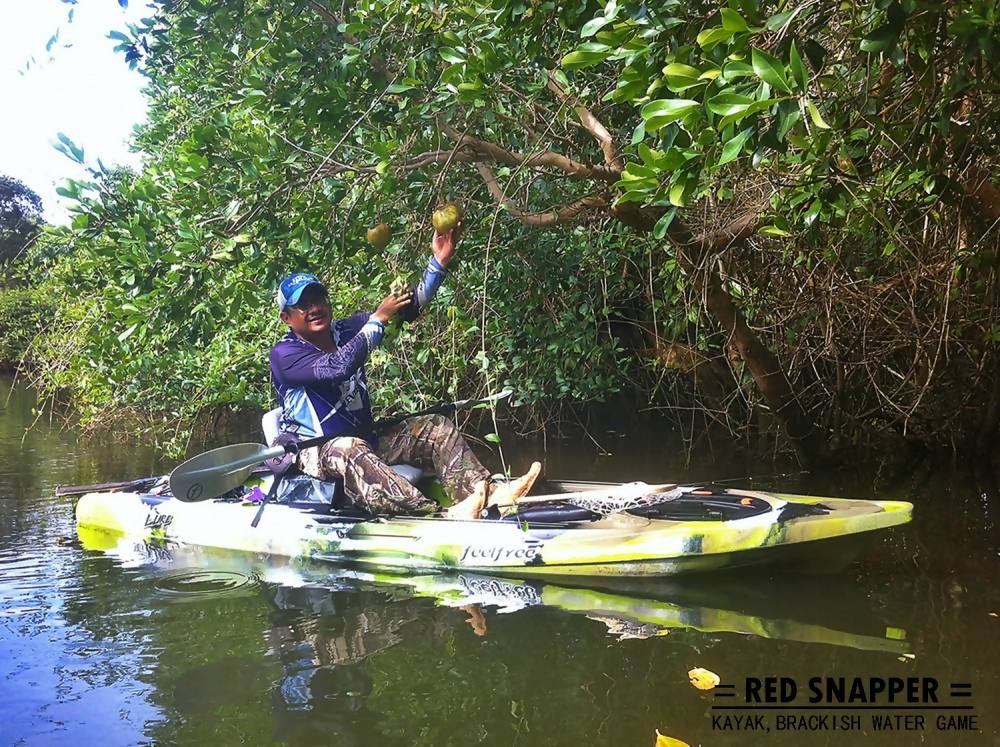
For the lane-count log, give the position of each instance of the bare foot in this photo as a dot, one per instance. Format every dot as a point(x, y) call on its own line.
point(470, 507)
point(507, 493)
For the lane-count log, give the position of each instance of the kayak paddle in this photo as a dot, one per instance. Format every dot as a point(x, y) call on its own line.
point(218, 471)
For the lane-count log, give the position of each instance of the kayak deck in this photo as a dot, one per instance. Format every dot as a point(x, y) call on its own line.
point(750, 528)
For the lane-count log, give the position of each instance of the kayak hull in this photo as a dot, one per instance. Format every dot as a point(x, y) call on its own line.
point(619, 545)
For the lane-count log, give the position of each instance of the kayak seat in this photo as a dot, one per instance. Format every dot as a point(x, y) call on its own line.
point(271, 425)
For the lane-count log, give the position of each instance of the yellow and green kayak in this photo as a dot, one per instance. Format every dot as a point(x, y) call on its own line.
point(693, 529)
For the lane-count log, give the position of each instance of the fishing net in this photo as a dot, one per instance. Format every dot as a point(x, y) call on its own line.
point(624, 498)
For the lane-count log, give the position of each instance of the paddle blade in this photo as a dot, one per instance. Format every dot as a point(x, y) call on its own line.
point(215, 472)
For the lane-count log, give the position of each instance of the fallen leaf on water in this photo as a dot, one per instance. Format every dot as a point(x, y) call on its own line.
point(703, 679)
point(662, 740)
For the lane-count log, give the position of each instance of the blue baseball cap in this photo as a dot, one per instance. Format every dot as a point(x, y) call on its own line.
point(292, 286)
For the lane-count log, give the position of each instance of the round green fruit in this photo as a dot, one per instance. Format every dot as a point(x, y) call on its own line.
point(399, 287)
point(379, 236)
point(447, 217)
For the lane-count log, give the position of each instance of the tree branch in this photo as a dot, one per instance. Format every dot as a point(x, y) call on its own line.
point(496, 154)
point(553, 217)
point(590, 123)
point(736, 232)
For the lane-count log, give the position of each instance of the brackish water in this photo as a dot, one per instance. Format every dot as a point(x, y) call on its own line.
point(134, 644)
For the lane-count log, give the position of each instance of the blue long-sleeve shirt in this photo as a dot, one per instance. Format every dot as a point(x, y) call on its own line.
point(327, 393)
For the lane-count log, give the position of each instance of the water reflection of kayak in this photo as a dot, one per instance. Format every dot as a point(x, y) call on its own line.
point(696, 529)
point(837, 614)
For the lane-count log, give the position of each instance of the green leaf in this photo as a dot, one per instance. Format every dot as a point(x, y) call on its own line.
point(788, 117)
point(881, 39)
point(727, 103)
point(660, 229)
point(778, 20)
point(734, 70)
point(733, 21)
point(592, 26)
point(680, 85)
point(731, 150)
point(673, 159)
point(586, 55)
point(128, 332)
point(399, 88)
point(638, 133)
point(682, 77)
point(453, 73)
point(770, 70)
point(633, 196)
point(678, 193)
point(799, 71)
point(663, 111)
point(754, 108)
point(451, 55)
point(626, 91)
point(812, 213)
point(638, 171)
point(711, 37)
point(492, 438)
point(74, 152)
point(814, 115)
point(682, 71)
point(772, 231)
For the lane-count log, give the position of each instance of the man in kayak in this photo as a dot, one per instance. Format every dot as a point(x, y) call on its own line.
point(318, 372)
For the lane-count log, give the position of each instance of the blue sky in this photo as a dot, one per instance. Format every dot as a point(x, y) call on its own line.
point(85, 91)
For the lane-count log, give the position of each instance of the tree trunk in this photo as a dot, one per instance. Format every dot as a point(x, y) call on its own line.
point(696, 256)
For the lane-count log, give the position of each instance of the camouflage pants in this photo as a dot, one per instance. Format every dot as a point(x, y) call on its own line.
point(431, 443)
